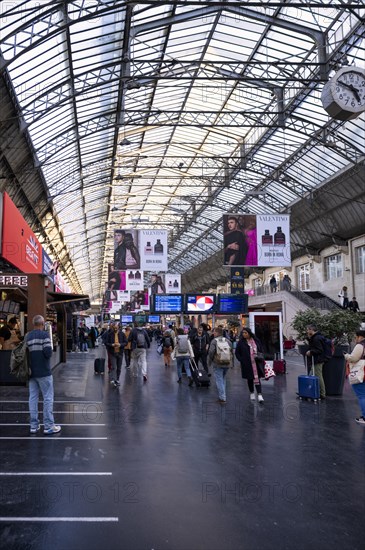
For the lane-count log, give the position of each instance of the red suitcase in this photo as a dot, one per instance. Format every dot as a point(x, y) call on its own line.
point(279, 366)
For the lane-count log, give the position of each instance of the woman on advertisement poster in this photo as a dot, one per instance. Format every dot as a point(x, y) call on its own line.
point(132, 258)
point(249, 230)
point(234, 242)
point(157, 284)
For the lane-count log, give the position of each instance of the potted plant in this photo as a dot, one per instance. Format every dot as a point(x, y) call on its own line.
point(338, 325)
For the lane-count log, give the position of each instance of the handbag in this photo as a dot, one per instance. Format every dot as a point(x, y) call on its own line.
point(269, 371)
point(356, 374)
point(259, 356)
point(160, 349)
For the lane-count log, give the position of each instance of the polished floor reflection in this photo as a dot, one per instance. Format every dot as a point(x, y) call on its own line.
point(159, 465)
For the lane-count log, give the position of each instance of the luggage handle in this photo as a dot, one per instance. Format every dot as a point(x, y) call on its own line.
point(312, 371)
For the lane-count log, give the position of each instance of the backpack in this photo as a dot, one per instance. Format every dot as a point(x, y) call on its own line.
point(328, 348)
point(141, 340)
point(167, 342)
point(182, 344)
point(19, 362)
point(223, 352)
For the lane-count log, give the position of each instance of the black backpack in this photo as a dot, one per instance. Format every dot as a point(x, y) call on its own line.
point(167, 342)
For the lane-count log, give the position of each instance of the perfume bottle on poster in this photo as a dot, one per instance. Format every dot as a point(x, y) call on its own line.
point(158, 247)
point(267, 238)
point(279, 238)
point(148, 248)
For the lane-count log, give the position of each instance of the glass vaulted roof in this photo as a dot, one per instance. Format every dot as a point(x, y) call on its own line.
point(168, 114)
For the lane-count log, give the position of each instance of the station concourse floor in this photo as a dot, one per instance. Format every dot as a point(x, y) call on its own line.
point(161, 466)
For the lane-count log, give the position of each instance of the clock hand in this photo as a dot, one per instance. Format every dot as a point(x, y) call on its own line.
point(350, 87)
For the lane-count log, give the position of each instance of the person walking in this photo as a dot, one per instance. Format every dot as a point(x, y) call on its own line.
point(200, 344)
point(83, 339)
point(273, 284)
point(167, 346)
point(182, 352)
point(252, 367)
point(127, 348)
point(40, 352)
point(316, 355)
point(220, 358)
point(140, 342)
point(359, 389)
point(286, 283)
point(115, 344)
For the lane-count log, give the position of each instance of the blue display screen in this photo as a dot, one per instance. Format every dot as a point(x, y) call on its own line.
point(167, 303)
point(153, 318)
point(126, 319)
point(232, 303)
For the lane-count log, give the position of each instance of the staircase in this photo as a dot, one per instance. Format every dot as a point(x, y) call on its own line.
point(322, 301)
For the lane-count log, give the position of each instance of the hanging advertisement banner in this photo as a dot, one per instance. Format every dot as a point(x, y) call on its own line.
point(153, 249)
point(139, 301)
point(126, 250)
point(19, 245)
point(134, 280)
point(237, 280)
point(116, 279)
point(156, 284)
point(256, 240)
point(173, 283)
point(273, 233)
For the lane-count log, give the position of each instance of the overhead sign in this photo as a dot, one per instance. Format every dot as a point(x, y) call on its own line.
point(13, 280)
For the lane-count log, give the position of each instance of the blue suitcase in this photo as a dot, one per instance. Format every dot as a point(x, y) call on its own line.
point(308, 386)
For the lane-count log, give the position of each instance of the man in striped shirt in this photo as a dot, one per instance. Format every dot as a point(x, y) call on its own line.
point(40, 352)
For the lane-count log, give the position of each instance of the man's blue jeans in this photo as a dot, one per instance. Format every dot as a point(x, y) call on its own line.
point(45, 384)
point(220, 381)
point(182, 360)
point(359, 389)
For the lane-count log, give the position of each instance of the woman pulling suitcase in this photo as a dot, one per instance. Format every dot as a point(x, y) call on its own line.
point(248, 352)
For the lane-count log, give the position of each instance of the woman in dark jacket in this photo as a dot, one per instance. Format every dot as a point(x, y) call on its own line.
point(252, 369)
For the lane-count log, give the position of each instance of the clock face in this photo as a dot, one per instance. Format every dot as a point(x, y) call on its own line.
point(349, 90)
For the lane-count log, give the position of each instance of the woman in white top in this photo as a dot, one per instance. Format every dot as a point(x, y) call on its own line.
point(358, 353)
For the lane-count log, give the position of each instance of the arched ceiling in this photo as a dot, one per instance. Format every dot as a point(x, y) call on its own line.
point(114, 112)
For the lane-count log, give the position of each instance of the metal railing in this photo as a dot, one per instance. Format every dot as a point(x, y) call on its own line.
point(319, 303)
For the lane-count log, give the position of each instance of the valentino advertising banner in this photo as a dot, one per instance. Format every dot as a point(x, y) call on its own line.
point(173, 283)
point(134, 280)
point(256, 240)
point(153, 248)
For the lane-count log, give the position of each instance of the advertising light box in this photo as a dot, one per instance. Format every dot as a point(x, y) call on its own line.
point(167, 303)
point(199, 303)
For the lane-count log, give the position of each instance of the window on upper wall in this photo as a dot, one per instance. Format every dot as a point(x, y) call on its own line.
point(360, 259)
point(333, 268)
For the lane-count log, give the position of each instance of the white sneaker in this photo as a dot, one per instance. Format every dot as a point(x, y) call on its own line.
point(260, 399)
point(54, 430)
point(252, 397)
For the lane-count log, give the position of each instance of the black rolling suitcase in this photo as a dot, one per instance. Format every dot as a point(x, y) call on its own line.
point(200, 377)
point(99, 365)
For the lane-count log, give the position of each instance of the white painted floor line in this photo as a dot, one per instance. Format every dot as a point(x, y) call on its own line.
point(6, 474)
point(59, 424)
point(53, 437)
point(55, 519)
point(56, 401)
point(55, 412)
